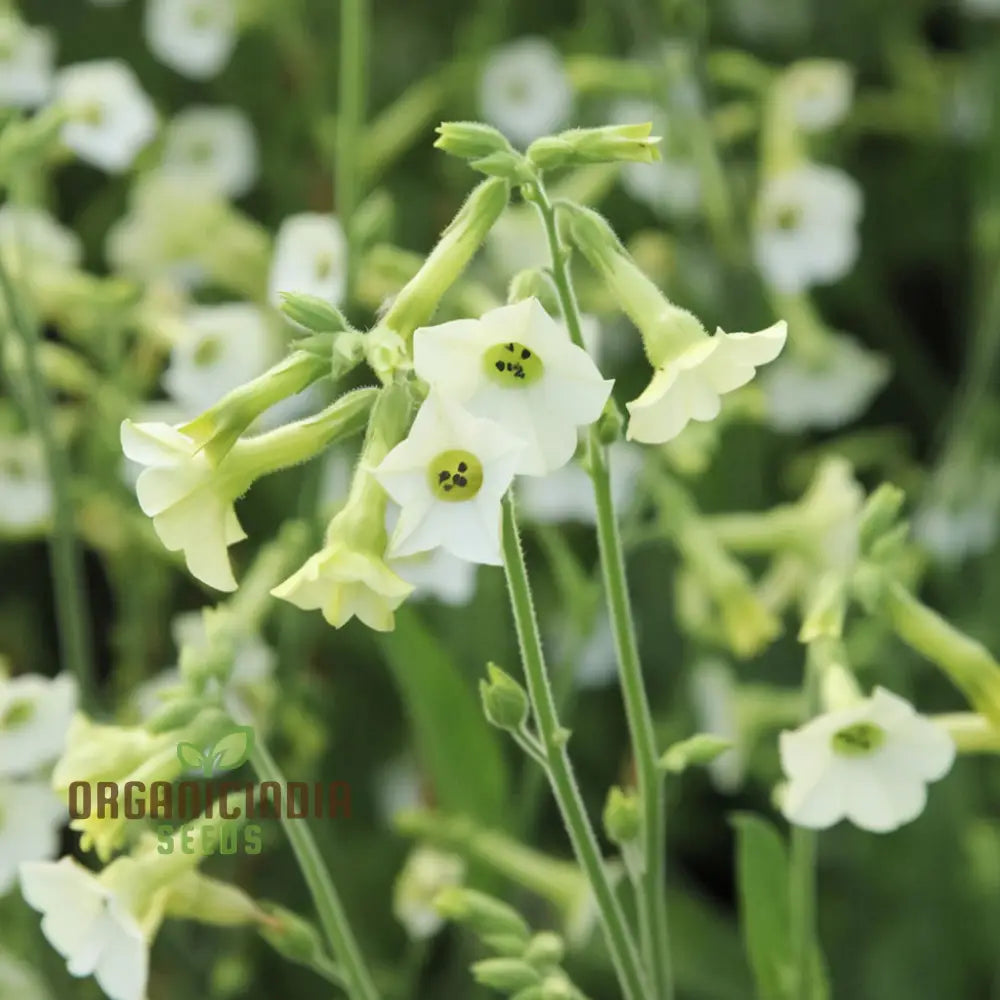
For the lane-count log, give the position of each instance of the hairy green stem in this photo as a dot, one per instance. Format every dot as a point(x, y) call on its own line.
point(72, 618)
point(652, 888)
point(559, 769)
point(324, 894)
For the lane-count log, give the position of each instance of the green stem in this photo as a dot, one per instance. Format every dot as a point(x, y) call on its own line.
point(328, 905)
point(560, 772)
point(351, 108)
point(72, 619)
point(652, 890)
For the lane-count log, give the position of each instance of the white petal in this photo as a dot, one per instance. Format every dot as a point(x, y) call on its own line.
point(881, 805)
point(449, 357)
point(816, 804)
point(123, 968)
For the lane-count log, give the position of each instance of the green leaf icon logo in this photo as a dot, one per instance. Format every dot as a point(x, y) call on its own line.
point(230, 751)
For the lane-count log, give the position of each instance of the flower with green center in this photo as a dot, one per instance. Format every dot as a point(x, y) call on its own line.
point(194, 37)
point(109, 117)
point(869, 763)
point(516, 365)
point(310, 257)
point(35, 713)
point(448, 478)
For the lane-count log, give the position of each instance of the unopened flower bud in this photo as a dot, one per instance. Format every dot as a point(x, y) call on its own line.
point(484, 914)
point(879, 514)
point(312, 312)
point(621, 815)
point(545, 949)
point(470, 140)
point(607, 144)
point(506, 974)
point(504, 700)
point(702, 748)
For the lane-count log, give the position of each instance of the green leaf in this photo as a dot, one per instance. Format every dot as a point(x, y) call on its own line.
point(233, 749)
point(455, 743)
point(762, 875)
point(190, 756)
point(702, 748)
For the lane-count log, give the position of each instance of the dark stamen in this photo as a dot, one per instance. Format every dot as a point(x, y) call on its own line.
point(443, 475)
point(462, 466)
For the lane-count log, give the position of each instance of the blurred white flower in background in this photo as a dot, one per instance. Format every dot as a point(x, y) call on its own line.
point(438, 575)
point(827, 392)
point(30, 235)
point(223, 346)
point(806, 227)
point(90, 925)
point(516, 365)
point(25, 493)
point(524, 90)
point(193, 37)
point(517, 242)
point(211, 146)
point(869, 763)
point(110, 117)
point(426, 873)
point(568, 493)
point(31, 815)
point(310, 257)
point(961, 519)
point(713, 694)
point(35, 714)
point(690, 385)
point(448, 478)
point(670, 185)
point(27, 55)
point(819, 93)
point(397, 787)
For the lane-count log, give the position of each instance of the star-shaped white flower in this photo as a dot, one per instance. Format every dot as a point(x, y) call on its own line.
point(806, 229)
point(516, 365)
point(35, 714)
point(869, 763)
point(524, 90)
point(26, 59)
point(449, 477)
point(222, 347)
point(827, 392)
point(190, 502)
point(343, 583)
point(110, 117)
point(211, 146)
point(819, 92)
point(689, 385)
point(90, 925)
point(194, 37)
point(31, 816)
point(310, 257)
point(427, 873)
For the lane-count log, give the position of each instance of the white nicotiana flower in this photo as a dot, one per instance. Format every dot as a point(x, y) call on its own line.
point(211, 146)
point(110, 117)
point(524, 90)
point(31, 816)
point(345, 582)
point(437, 574)
point(819, 93)
point(448, 478)
point(516, 365)
point(310, 257)
point(35, 713)
point(223, 347)
point(193, 37)
point(25, 492)
point(90, 925)
point(670, 185)
point(190, 502)
point(689, 385)
point(425, 875)
point(713, 693)
point(30, 236)
point(869, 763)
point(568, 493)
point(806, 227)
point(827, 392)
point(26, 60)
